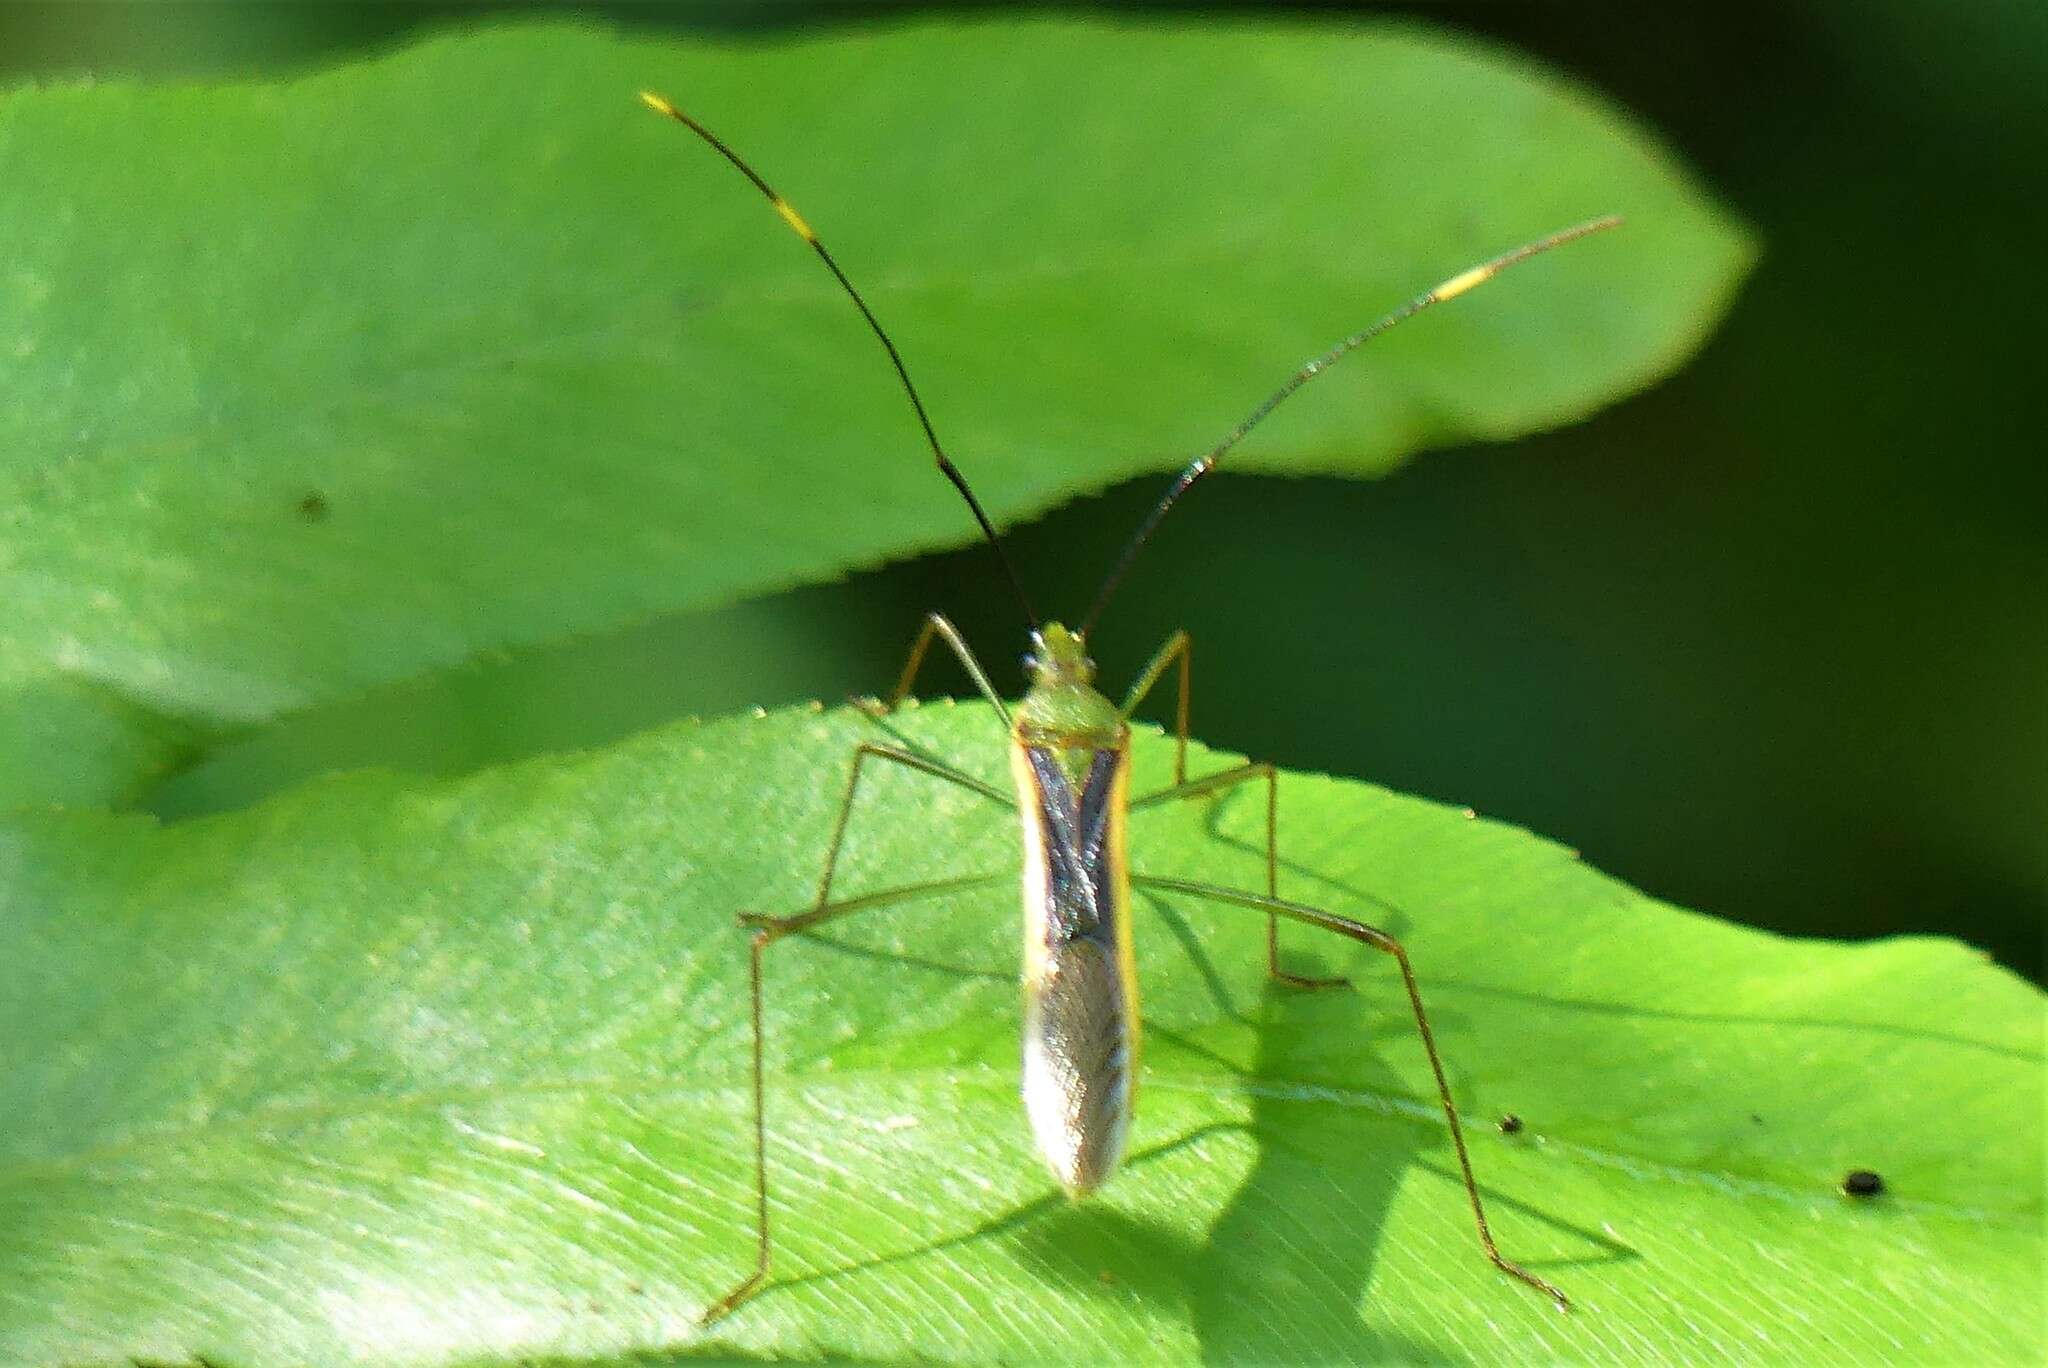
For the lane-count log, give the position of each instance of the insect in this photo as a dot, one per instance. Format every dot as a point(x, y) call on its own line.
point(1069, 751)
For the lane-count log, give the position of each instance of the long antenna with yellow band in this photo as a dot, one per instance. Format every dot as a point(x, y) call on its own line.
point(1202, 465)
point(803, 230)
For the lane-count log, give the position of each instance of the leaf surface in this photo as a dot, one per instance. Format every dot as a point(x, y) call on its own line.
point(440, 1072)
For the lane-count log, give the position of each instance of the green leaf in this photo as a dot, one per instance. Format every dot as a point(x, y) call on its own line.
point(320, 385)
point(420, 1072)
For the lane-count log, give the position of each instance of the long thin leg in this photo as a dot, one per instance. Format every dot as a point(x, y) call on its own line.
point(937, 624)
point(1180, 646)
point(767, 931)
point(1230, 778)
point(862, 753)
point(1379, 940)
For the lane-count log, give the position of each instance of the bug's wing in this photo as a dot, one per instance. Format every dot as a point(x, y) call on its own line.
point(1079, 1019)
point(1077, 1064)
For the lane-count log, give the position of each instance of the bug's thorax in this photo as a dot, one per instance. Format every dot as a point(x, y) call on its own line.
point(1063, 712)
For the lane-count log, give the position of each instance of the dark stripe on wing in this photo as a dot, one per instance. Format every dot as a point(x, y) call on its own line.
point(1078, 896)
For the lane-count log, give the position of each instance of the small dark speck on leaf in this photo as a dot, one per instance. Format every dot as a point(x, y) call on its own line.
point(1107, 1278)
point(1862, 1183)
point(1510, 1124)
point(313, 508)
point(1756, 1119)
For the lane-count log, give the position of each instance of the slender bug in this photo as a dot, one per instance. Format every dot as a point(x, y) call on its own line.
point(1069, 761)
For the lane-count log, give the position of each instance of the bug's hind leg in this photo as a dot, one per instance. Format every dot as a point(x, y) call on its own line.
point(768, 930)
point(1379, 940)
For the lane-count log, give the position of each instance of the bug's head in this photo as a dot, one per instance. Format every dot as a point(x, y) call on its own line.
point(1058, 657)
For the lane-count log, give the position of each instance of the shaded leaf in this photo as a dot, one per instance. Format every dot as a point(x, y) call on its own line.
point(321, 385)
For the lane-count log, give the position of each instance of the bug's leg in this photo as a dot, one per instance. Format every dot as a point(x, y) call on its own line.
point(1181, 647)
point(1378, 940)
point(937, 624)
point(747, 1286)
point(866, 751)
point(767, 931)
point(1230, 778)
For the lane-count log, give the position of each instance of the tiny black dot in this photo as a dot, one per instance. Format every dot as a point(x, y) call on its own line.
point(1510, 1124)
point(313, 507)
point(1862, 1183)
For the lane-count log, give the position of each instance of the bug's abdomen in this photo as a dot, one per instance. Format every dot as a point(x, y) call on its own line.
point(1078, 1059)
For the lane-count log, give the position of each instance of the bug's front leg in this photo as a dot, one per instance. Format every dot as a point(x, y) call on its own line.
point(1179, 647)
point(937, 625)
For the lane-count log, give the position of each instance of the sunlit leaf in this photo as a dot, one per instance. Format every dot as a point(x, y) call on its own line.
point(456, 1072)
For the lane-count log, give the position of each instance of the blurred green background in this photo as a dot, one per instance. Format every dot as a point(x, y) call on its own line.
point(1770, 640)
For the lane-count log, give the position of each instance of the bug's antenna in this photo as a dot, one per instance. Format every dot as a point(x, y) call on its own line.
point(803, 230)
point(1202, 465)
